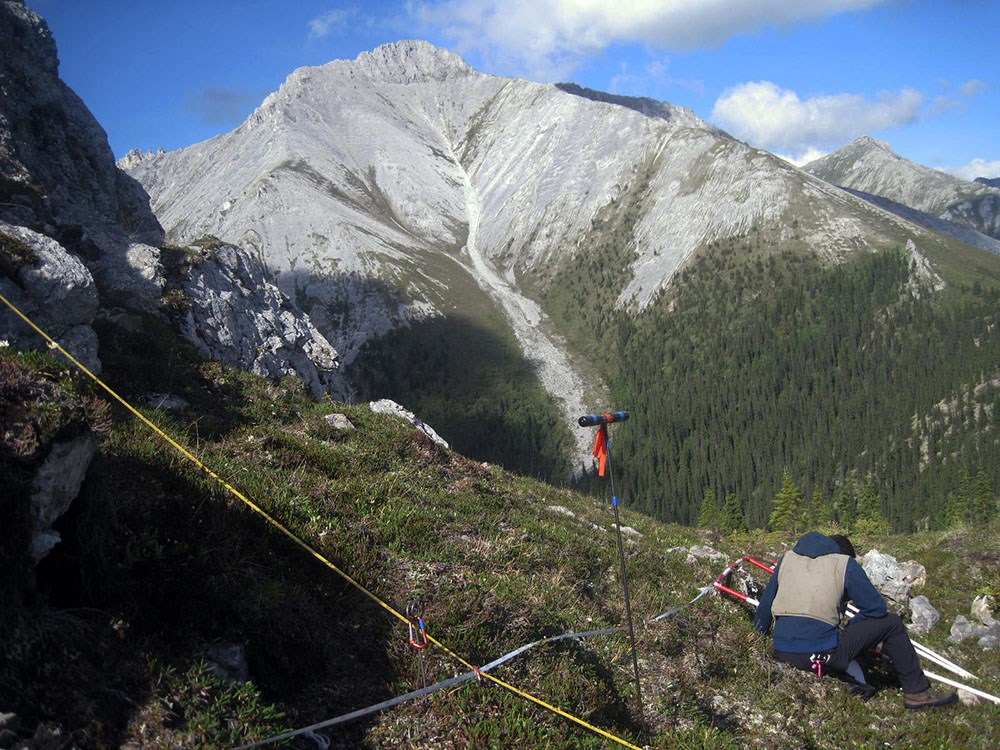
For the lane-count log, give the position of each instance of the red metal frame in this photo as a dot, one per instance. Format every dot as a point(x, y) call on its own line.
point(720, 585)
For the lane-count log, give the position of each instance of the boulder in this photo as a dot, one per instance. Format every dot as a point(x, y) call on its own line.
point(52, 288)
point(923, 616)
point(962, 629)
point(228, 661)
point(56, 484)
point(893, 579)
point(339, 422)
point(982, 610)
point(388, 406)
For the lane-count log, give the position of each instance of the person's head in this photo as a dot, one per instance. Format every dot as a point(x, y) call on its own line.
point(846, 548)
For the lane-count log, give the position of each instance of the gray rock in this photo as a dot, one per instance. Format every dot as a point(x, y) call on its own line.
point(982, 610)
point(892, 579)
point(237, 316)
point(339, 421)
point(561, 510)
point(923, 616)
point(130, 273)
point(962, 630)
point(55, 486)
point(228, 661)
point(388, 406)
point(706, 553)
point(57, 292)
point(165, 401)
point(913, 573)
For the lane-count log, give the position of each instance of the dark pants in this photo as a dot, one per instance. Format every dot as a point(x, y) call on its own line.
point(861, 635)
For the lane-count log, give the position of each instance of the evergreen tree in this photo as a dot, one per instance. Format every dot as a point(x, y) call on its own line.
point(955, 510)
point(820, 514)
point(870, 519)
point(844, 504)
point(982, 501)
point(787, 507)
point(708, 518)
point(733, 518)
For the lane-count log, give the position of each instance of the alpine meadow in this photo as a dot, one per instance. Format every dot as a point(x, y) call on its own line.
point(290, 419)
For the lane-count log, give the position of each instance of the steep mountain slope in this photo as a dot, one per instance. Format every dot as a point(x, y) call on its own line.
point(406, 188)
point(74, 227)
point(871, 166)
point(172, 616)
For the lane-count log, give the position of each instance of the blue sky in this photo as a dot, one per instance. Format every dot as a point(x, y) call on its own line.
point(797, 77)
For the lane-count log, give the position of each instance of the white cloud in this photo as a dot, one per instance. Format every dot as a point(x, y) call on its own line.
point(770, 117)
point(325, 24)
point(800, 160)
point(974, 87)
point(547, 39)
point(976, 168)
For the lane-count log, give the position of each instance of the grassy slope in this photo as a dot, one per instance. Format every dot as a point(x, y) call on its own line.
point(158, 563)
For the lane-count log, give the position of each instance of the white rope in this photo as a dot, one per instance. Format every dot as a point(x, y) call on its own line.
point(960, 686)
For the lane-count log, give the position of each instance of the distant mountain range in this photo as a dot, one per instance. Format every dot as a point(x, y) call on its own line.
point(870, 168)
point(500, 256)
point(394, 188)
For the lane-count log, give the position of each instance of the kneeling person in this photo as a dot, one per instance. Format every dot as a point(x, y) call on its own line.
point(806, 597)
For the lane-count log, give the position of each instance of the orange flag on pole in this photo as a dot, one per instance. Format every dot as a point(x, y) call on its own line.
point(601, 449)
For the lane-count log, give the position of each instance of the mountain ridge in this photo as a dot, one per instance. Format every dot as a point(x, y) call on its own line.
point(870, 166)
point(475, 185)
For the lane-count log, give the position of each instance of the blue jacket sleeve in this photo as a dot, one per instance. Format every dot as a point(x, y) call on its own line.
point(863, 593)
point(762, 618)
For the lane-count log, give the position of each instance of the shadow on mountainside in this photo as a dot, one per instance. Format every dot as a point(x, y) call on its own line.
point(475, 388)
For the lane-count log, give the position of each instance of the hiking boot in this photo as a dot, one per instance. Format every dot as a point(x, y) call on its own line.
point(928, 699)
point(862, 690)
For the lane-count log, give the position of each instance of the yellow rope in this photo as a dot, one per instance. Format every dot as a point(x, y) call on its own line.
point(53, 344)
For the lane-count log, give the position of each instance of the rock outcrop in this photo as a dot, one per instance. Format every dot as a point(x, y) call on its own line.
point(93, 239)
point(232, 313)
point(57, 173)
point(51, 287)
point(77, 240)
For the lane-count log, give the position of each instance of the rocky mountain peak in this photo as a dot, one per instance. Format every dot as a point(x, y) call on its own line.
point(867, 142)
point(645, 105)
point(870, 167)
point(411, 61)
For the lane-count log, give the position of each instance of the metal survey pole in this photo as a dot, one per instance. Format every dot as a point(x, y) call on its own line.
point(602, 450)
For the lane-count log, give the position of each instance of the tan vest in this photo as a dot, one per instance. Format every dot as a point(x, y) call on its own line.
point(810, 587)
